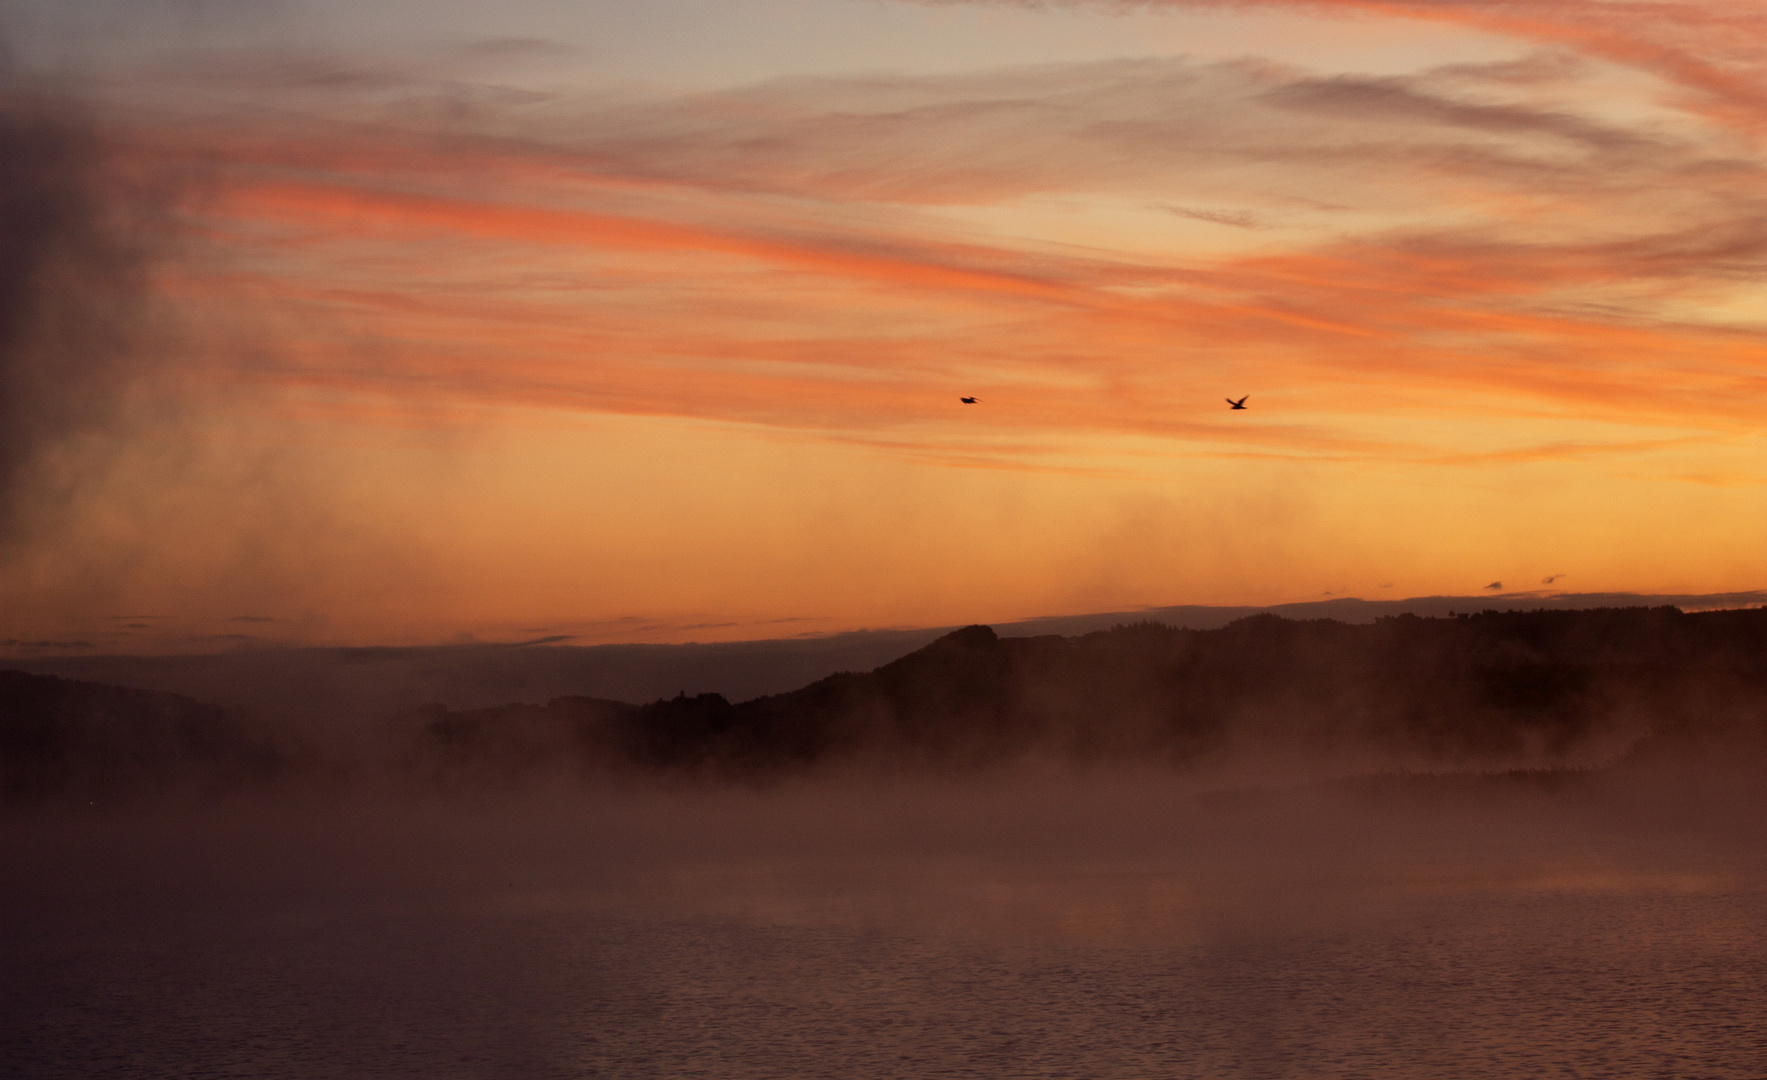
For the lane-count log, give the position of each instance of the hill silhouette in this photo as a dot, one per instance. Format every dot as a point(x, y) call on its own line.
point(1491, 690)
point(61, 739)
point(1488, 692)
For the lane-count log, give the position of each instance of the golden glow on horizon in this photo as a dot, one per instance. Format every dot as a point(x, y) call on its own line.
point(690, 371)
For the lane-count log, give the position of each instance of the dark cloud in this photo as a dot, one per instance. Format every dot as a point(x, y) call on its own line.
point(14, 643)
point(1400, 101)
point(1238, 219)
point(1711, 53)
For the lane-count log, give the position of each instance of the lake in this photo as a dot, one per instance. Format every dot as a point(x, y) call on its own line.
point(1090, 927)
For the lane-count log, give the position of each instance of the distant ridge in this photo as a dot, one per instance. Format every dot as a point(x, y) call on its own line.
point(1494, 690)
point(1490, 692)
point(345, 687)
point(1350, 609)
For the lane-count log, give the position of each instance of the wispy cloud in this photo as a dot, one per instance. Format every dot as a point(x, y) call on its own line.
point(842, 255)
point(1710, 52)
point(1546, 265)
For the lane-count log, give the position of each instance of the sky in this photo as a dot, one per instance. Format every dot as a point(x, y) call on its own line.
point(395, 322)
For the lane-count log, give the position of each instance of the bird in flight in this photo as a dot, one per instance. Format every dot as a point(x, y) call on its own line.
point(967, 400)
point(1240, 404)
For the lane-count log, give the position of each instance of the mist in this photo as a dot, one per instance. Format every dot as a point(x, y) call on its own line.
point(918, 869)
point(147, 481)
point(1262, 701)
point(78, 237)
point(1109, 922)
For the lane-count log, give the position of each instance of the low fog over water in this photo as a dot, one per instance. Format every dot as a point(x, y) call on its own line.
point(526, 891)
point(1022, 924)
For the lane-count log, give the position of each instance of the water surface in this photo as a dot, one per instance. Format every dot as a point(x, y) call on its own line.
point(995, 933)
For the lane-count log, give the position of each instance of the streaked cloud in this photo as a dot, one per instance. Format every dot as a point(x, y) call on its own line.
point(839, 254)
point(1709, 52)
point(1459, 276)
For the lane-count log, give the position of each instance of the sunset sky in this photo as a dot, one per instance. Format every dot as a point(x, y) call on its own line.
point(382, 322)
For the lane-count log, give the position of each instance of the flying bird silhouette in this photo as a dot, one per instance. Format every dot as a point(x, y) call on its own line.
point(1240, 404)
point(967, 400)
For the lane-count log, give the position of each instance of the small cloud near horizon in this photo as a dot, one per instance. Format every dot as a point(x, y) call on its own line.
point(15, 643)
point(551, 639)
point(1495, 585)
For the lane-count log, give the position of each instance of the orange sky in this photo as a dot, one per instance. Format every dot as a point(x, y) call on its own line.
point(551, 349)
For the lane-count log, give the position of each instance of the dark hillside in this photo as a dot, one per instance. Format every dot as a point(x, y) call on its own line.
point(61, 739)
point(1493, 690)
point(1489, 692)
